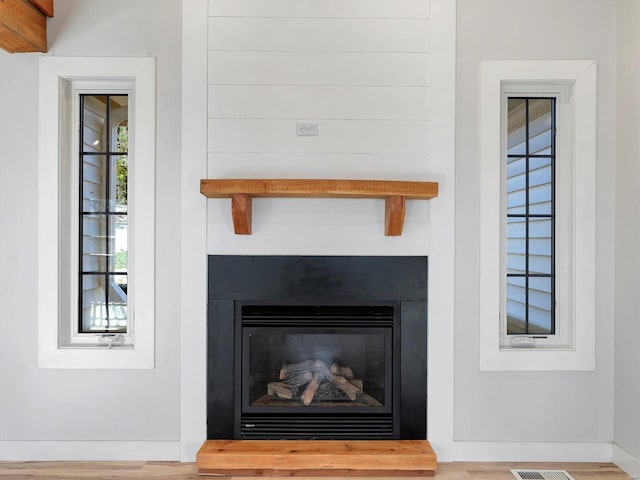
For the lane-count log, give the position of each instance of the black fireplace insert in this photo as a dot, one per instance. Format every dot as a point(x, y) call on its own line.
point(317, 347)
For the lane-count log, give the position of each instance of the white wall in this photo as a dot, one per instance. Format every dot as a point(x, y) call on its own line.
point(627, 261)
point(79, 405)
point(531, 406)
point(364, 70)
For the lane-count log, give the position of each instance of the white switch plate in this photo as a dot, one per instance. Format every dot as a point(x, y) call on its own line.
point(307, 129)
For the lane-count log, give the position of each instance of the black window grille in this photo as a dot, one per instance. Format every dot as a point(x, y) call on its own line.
point(103, 205)
point(530, 215)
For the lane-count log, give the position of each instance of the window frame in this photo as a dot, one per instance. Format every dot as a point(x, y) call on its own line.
point(62, 80)
point(82, 96)
point(563, 317)
point(573, 345)
point(73, 337)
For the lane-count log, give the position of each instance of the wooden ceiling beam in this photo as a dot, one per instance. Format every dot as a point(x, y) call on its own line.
point(45, 6)
point(23, 25)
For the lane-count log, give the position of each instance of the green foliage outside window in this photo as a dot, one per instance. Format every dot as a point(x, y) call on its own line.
point(122, 165)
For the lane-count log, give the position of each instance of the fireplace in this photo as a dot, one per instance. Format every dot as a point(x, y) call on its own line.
point(317, 347)
point(316, 371)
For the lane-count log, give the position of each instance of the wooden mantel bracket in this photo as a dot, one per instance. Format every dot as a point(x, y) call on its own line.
point(394, 192)
point(241, 213)
point(394, 209)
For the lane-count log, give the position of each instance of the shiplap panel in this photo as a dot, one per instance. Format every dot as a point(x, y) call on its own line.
point(92, 174)
point(90, 264)
point(360, 68)
point(318, 34)
point(341, 227)
point(318, 102)
point(90, 282)
point(94, 113)
point(92, 139)
point(312, 239)
point(323, 8)
point(361, 166)
point(335, 136)
point(92, 301)
point(95, 160)
point(325, 210)
point(304, 68)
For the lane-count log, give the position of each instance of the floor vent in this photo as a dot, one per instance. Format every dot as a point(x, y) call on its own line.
point(542, 475)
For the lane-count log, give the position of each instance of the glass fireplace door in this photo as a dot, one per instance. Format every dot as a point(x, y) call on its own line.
point(306, 369)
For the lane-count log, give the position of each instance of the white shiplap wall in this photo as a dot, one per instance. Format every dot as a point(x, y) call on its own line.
point(360, 68)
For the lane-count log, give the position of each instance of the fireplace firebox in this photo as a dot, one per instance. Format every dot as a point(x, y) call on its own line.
point(317, 347)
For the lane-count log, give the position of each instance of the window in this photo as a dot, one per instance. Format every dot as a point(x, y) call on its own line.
point(96, 212)
point(529, 201)
point(537, 215)
point(103, 184)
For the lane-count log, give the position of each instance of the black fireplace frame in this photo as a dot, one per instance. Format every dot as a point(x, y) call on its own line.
point(313, 280)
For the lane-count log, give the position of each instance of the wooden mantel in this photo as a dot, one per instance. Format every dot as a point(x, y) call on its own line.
point(23, 25)
point(394, 192)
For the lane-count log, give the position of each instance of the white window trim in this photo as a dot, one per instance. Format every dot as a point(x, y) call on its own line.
point(581, 76)
point(71, 89)
point(54, 292)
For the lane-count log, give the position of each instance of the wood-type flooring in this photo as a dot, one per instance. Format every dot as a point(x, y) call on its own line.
point(188, 471)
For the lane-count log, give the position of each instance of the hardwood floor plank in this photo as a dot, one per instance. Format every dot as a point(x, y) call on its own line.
point(188, 471)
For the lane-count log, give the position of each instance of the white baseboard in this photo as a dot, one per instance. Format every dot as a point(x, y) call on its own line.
point(532, 451)
point(462, 451)
point(89, 450)
point(625, 461)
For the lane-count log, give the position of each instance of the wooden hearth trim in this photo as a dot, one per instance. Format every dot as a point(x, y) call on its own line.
point(241, 191)
point(317, 458)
